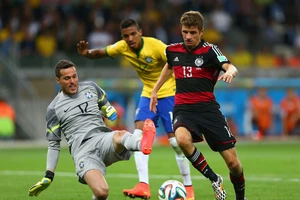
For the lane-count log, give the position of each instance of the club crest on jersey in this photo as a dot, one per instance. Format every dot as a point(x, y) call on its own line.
point(148, 60)
point(199, 62)
point(81, 165)
point(88, 94)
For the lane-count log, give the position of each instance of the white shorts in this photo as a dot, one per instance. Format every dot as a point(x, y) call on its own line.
point(97, 152)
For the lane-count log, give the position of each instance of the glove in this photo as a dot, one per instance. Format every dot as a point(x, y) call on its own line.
point(36, 189)
point(110, 112)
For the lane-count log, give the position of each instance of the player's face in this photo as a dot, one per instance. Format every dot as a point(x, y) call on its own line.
point(191, 36)
point(132, 35)
point(68, 81)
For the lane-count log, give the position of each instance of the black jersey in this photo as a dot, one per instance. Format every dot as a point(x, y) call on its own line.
point(196, 73)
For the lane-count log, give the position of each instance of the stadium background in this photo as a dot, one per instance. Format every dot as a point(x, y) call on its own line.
point(261, 37)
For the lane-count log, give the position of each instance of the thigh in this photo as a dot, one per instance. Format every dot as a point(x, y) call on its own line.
point(164, 110)
point(95, 179)
point(88, 156)
point(188, 120)
point(216, 130)
point(143, 112)
point(97, 153)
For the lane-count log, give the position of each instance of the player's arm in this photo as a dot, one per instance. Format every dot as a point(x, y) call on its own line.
point(166, 73)
point(230, 72)
point(82, 48)
point(52, 159)
point(104, 105)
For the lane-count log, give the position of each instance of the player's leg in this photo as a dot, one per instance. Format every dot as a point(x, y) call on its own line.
point(96, 181)
point(185, 138)
point(220, 138)
point(236, 173)
point(164, 108)
point(142, 189)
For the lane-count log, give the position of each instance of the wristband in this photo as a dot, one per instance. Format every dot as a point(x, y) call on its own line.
point(49, 175)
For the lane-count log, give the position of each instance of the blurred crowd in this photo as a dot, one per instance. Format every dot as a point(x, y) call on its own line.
point(262, 113)
point(263, 33)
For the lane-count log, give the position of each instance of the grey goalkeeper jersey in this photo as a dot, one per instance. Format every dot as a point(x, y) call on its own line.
point(77, 115)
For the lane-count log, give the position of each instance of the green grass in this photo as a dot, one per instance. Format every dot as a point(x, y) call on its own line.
point(272, 172)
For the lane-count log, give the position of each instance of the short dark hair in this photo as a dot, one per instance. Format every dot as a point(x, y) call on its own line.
point(129, 22)
point(192, 18)
point(62, 64)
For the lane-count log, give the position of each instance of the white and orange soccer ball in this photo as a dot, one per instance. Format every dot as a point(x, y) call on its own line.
point(172, 190)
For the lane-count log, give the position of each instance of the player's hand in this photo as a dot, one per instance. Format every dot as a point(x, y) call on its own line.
point(110, 112)
point(36, 189)
point(40, 186)
point(82, 48)
point(153, 102)
point(226, 77)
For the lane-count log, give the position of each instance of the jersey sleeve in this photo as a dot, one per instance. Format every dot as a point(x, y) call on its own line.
point(102, 96)
point(218, 57)
point(116, 49)
point(53, 132)
point(162, 46)
point(167, 53)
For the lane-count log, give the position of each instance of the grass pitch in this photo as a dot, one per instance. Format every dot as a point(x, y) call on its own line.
point(272, 172)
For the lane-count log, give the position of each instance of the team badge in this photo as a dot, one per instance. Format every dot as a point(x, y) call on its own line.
point(222, 58)
point(148, 60)
point(199, 62)
point(81, 165)
point(89, 95)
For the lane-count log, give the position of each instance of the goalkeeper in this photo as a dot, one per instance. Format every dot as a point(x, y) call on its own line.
point(77, 112)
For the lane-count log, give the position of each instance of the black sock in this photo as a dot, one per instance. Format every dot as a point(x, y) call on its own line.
point(239, 185)
point(199, 162)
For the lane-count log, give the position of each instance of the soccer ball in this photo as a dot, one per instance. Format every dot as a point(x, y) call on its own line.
point(172, 190)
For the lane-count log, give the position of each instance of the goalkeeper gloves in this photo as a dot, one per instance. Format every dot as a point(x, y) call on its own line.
point(36, 189)
point(110, 112)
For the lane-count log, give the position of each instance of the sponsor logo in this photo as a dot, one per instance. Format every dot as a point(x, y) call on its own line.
point(66, 110)
point(176, 59)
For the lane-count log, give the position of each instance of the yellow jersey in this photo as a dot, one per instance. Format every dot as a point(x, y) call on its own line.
point(148, 63)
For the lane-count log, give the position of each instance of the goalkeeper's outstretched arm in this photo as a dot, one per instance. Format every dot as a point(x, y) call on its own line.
point(52, 159)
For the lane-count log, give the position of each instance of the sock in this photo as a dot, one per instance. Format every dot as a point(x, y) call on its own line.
point(238, 185)
point(131, 142)
point(141, 162)
point(182, 162)
point(184, 168)
point(199, 162)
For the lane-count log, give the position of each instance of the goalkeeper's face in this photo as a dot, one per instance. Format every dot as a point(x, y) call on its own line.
point(133, 37)
point(68, 81)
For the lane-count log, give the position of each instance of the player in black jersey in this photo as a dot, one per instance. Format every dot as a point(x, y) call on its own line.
point(197, 65)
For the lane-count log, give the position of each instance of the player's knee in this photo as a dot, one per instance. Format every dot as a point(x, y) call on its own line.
point(101, 193)
point(174, 145)
point(118, 136)
point(234, 166)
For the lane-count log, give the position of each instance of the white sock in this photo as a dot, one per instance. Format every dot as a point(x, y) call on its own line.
point(182, 162)
point(184, 168)
point(141, 161)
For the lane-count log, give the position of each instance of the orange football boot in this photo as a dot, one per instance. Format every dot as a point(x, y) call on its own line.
point(189, 192)
point(149, 132)
point(141, 190)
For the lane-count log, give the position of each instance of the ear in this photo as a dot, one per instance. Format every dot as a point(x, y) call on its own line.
point(201, 32)
point(141, 31)
point(57, 80)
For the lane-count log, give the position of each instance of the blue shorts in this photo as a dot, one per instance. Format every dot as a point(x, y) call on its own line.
point(164, 111)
